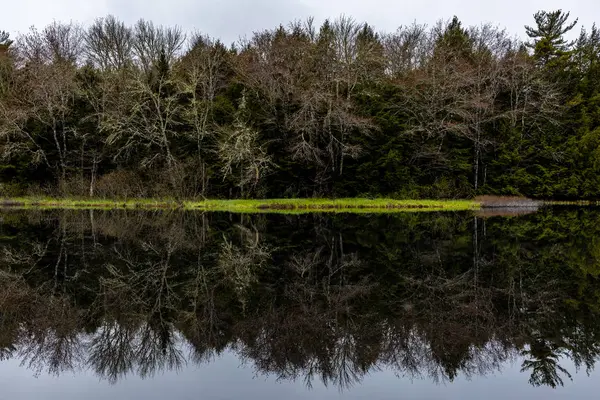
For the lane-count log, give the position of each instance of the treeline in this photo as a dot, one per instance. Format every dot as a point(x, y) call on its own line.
point(302, 110)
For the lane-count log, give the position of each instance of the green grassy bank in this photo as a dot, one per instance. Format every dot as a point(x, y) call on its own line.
point(269, 205)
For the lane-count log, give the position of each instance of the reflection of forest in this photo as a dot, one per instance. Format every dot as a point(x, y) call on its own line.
point(301, 297)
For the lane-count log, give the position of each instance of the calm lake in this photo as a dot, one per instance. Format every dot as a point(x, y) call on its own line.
point(189, 305)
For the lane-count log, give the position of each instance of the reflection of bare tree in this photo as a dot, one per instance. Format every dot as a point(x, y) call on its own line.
point(111, 351)
point(59, 349)
point(317, 334)
point(118, 349)
point(240, 263)
point(202, 324)
point(140, 286)
point(41, 330)
point(158, 350)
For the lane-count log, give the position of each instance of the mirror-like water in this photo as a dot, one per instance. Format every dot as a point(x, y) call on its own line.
point(427, 305)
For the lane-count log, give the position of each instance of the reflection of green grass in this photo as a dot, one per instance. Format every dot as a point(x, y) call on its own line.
point(270, 205)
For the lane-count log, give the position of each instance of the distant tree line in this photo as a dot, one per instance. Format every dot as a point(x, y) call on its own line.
point(302, 110)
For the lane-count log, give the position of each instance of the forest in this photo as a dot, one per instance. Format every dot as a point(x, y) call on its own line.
point(336, 109)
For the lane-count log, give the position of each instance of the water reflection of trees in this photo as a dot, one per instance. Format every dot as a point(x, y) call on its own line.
point(326, 298)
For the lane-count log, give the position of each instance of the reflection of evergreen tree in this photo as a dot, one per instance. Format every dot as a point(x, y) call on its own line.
point(543, 362)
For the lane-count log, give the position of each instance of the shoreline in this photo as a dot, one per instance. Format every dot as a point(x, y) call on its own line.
point(288, 206)
point(349, 205)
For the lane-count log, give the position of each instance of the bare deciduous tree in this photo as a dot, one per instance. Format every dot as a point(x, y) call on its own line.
point(151, 42)
point(241, 152)
point(57, 43)
point(202, 73)
point(109, 43)
point(406, 49)
point(45, 94)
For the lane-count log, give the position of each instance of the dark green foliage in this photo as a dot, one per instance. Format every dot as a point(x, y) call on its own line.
point(548, 35)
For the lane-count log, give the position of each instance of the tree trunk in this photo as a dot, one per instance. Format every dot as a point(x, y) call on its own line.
point(476, 166)
point(93, 177)
point(61, 157)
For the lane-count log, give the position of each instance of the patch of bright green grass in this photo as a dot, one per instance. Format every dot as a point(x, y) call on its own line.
point(268, 205)
point(333, 205)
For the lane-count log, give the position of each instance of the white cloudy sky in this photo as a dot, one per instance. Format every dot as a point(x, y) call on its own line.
point(230, 19)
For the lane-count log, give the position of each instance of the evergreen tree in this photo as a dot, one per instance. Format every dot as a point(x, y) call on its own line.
point(548, 35)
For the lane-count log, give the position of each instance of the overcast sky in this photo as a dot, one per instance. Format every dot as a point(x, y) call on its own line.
point(231, 19)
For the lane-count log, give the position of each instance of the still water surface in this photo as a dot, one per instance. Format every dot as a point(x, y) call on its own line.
point(154, 305)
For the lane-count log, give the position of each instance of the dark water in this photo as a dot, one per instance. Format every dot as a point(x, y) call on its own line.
point(154, 305)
